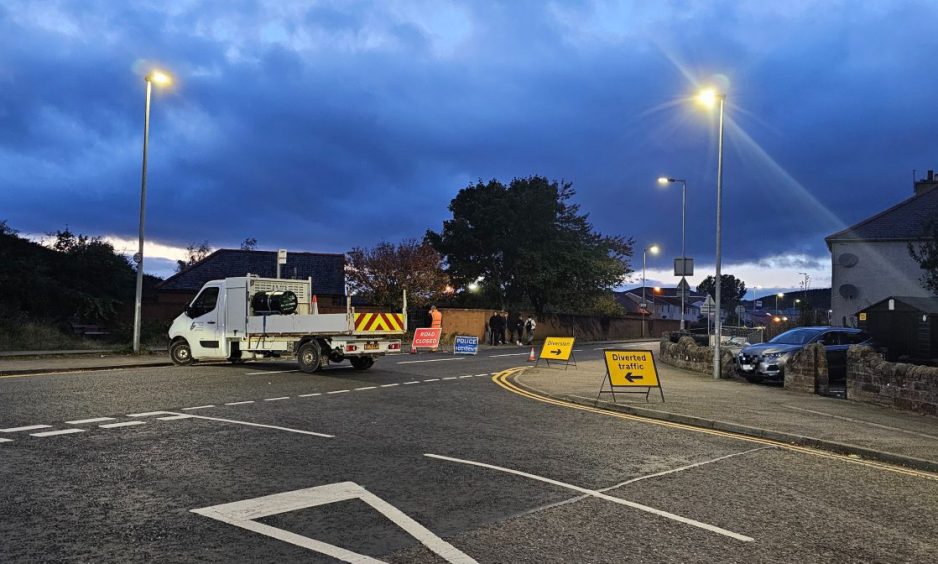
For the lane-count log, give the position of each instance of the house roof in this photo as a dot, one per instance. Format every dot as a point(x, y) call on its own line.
point(326, 270)
point(923, 304)
point(904, 221)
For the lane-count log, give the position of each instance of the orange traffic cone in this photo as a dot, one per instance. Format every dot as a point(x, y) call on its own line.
point(314, 306)
point(413, 349)
point(531, 356)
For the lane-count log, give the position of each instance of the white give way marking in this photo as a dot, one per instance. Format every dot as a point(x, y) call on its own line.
point(244, 514)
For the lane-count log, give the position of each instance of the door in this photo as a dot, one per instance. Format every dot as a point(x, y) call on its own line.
point(206, 332)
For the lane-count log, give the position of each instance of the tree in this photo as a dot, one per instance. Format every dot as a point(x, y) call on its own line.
point(248, 244)
point(527, 243)
point(926, 255)
point(194, 254)
point(382, 273)
point(732, 290)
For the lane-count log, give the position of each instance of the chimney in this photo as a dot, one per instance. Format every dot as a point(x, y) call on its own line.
point(927, 185)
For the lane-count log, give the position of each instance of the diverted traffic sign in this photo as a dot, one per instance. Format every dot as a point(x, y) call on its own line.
point(466, 345)
point(426, 338)
point(557, 348)
point(630, 369)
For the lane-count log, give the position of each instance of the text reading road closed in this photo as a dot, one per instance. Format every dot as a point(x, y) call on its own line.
point(631, 368)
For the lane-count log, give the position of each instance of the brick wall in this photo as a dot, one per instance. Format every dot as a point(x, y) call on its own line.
point(894, 384)
point(806, 370)
point(686, 354)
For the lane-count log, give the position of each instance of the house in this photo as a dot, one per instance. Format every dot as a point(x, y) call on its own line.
point(662, 303)
point(327, 272)
point(870, 261)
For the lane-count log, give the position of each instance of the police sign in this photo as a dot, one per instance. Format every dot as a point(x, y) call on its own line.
point(466, 345)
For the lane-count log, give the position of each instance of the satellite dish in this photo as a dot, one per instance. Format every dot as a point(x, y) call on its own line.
point(849, 291)
point(848, 260)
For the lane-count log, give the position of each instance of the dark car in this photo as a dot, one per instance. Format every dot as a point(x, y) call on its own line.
point(766, 361)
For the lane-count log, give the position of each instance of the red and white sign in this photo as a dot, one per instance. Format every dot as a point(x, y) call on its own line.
point(427, 338)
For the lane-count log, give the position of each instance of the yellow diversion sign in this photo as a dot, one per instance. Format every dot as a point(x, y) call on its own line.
point(630, 369)
point(557, 348)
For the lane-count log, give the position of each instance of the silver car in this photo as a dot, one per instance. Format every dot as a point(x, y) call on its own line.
point(766, 361)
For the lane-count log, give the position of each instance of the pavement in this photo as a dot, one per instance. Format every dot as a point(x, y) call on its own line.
point(764, 411)
point(40, 362)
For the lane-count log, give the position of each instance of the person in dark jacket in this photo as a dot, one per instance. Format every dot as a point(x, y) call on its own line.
point(494, 323)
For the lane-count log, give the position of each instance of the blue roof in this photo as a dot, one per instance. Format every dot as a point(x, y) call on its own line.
point(326, 270)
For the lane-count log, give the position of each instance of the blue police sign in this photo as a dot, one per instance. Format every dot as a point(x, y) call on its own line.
point(466, 345)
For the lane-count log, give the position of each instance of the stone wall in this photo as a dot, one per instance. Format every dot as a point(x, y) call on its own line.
point(894, 384)
point(686, 354)
point(806, 370)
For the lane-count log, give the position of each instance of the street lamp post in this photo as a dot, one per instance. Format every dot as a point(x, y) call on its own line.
point(777, 296)
point(161, 79)
point(666, 180)
point(653, 249)
point(710, 97)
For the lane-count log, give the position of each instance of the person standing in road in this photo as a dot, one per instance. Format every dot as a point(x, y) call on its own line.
point(493, 328)
point(436, 320)
point(517, 329)
point(529, 326)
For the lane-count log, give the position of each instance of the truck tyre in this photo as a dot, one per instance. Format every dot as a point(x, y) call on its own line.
point(362, 362)
point(180, 353)
point(309, 357)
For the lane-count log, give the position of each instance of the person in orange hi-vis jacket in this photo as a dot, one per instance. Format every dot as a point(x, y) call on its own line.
point(436, 320)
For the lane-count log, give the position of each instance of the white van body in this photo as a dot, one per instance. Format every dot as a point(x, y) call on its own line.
point(219, 324)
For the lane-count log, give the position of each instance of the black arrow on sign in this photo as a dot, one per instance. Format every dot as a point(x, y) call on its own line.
point(556, 352)
point(631, 378)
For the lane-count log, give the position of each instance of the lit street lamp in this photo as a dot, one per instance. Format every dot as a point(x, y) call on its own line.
point(653, 249)
point(160, 79)
point(664, 180)
point(709, 97)
point(777, 296)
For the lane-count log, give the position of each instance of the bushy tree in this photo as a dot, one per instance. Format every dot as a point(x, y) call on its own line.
point(194, 253)
point(383, 272)
point(528, 243)
point(732, 290)
point(249, 244)
point(926, 255)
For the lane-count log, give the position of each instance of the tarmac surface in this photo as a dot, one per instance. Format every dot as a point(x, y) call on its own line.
point(425, 458)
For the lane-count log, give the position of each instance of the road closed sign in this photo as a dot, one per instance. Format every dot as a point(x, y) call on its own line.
point(427, 338)
point(631, 368)
point(557, 348)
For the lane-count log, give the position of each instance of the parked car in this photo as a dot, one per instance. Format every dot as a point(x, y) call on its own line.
point(766, 361)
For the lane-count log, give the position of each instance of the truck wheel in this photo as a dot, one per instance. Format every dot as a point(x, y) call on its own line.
point(309, 357)
point(362, 362)
point(180, 353)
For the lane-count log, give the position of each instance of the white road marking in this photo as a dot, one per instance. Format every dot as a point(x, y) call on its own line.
point(600, 495)
point(240, 402)
point(450, 378)
point(366, 388)
point(432, 380)
point(511, 354)
point(871, 424)
point(270, 372)
point(58, 432)
point(309, 395)
point(431, 360)
point(244, 513)
point(389, 385)
point(123, 424)
point(277, 399)
point(249, 424)
point(6, 440)
point(683, 468)
point(26, 428)
point(92, 420)
point(197, 407)
point(466, 376)
point(338, 392)
point(175, 417)
point(481, 375)
point(149, 413)
point(411, 382)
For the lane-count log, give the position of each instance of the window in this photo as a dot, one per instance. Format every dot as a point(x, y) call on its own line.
point(204, 302)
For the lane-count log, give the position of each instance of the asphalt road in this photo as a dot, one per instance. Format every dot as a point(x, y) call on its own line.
point(259, 463)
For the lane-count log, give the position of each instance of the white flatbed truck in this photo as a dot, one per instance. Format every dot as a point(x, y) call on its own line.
point(222, 323)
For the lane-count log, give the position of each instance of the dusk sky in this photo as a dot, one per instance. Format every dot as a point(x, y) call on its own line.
point(319, 126)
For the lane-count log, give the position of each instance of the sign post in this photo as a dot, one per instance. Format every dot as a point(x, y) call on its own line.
point(559, 349)
point(426, 338)
point(630, 369)
point(466, 345)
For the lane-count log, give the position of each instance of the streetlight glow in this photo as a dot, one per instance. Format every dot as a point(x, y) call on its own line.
point(708, 97)
point(654, 249)
point(159, 78)
point(663, 180)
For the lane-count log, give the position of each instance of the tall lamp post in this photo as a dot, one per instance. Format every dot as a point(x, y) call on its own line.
point(777, 296)
point(710, 97)
point(653, 249)
point(664, 181)
point(160, 79)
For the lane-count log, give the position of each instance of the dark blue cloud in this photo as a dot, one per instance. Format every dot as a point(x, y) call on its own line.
point(341, 124)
